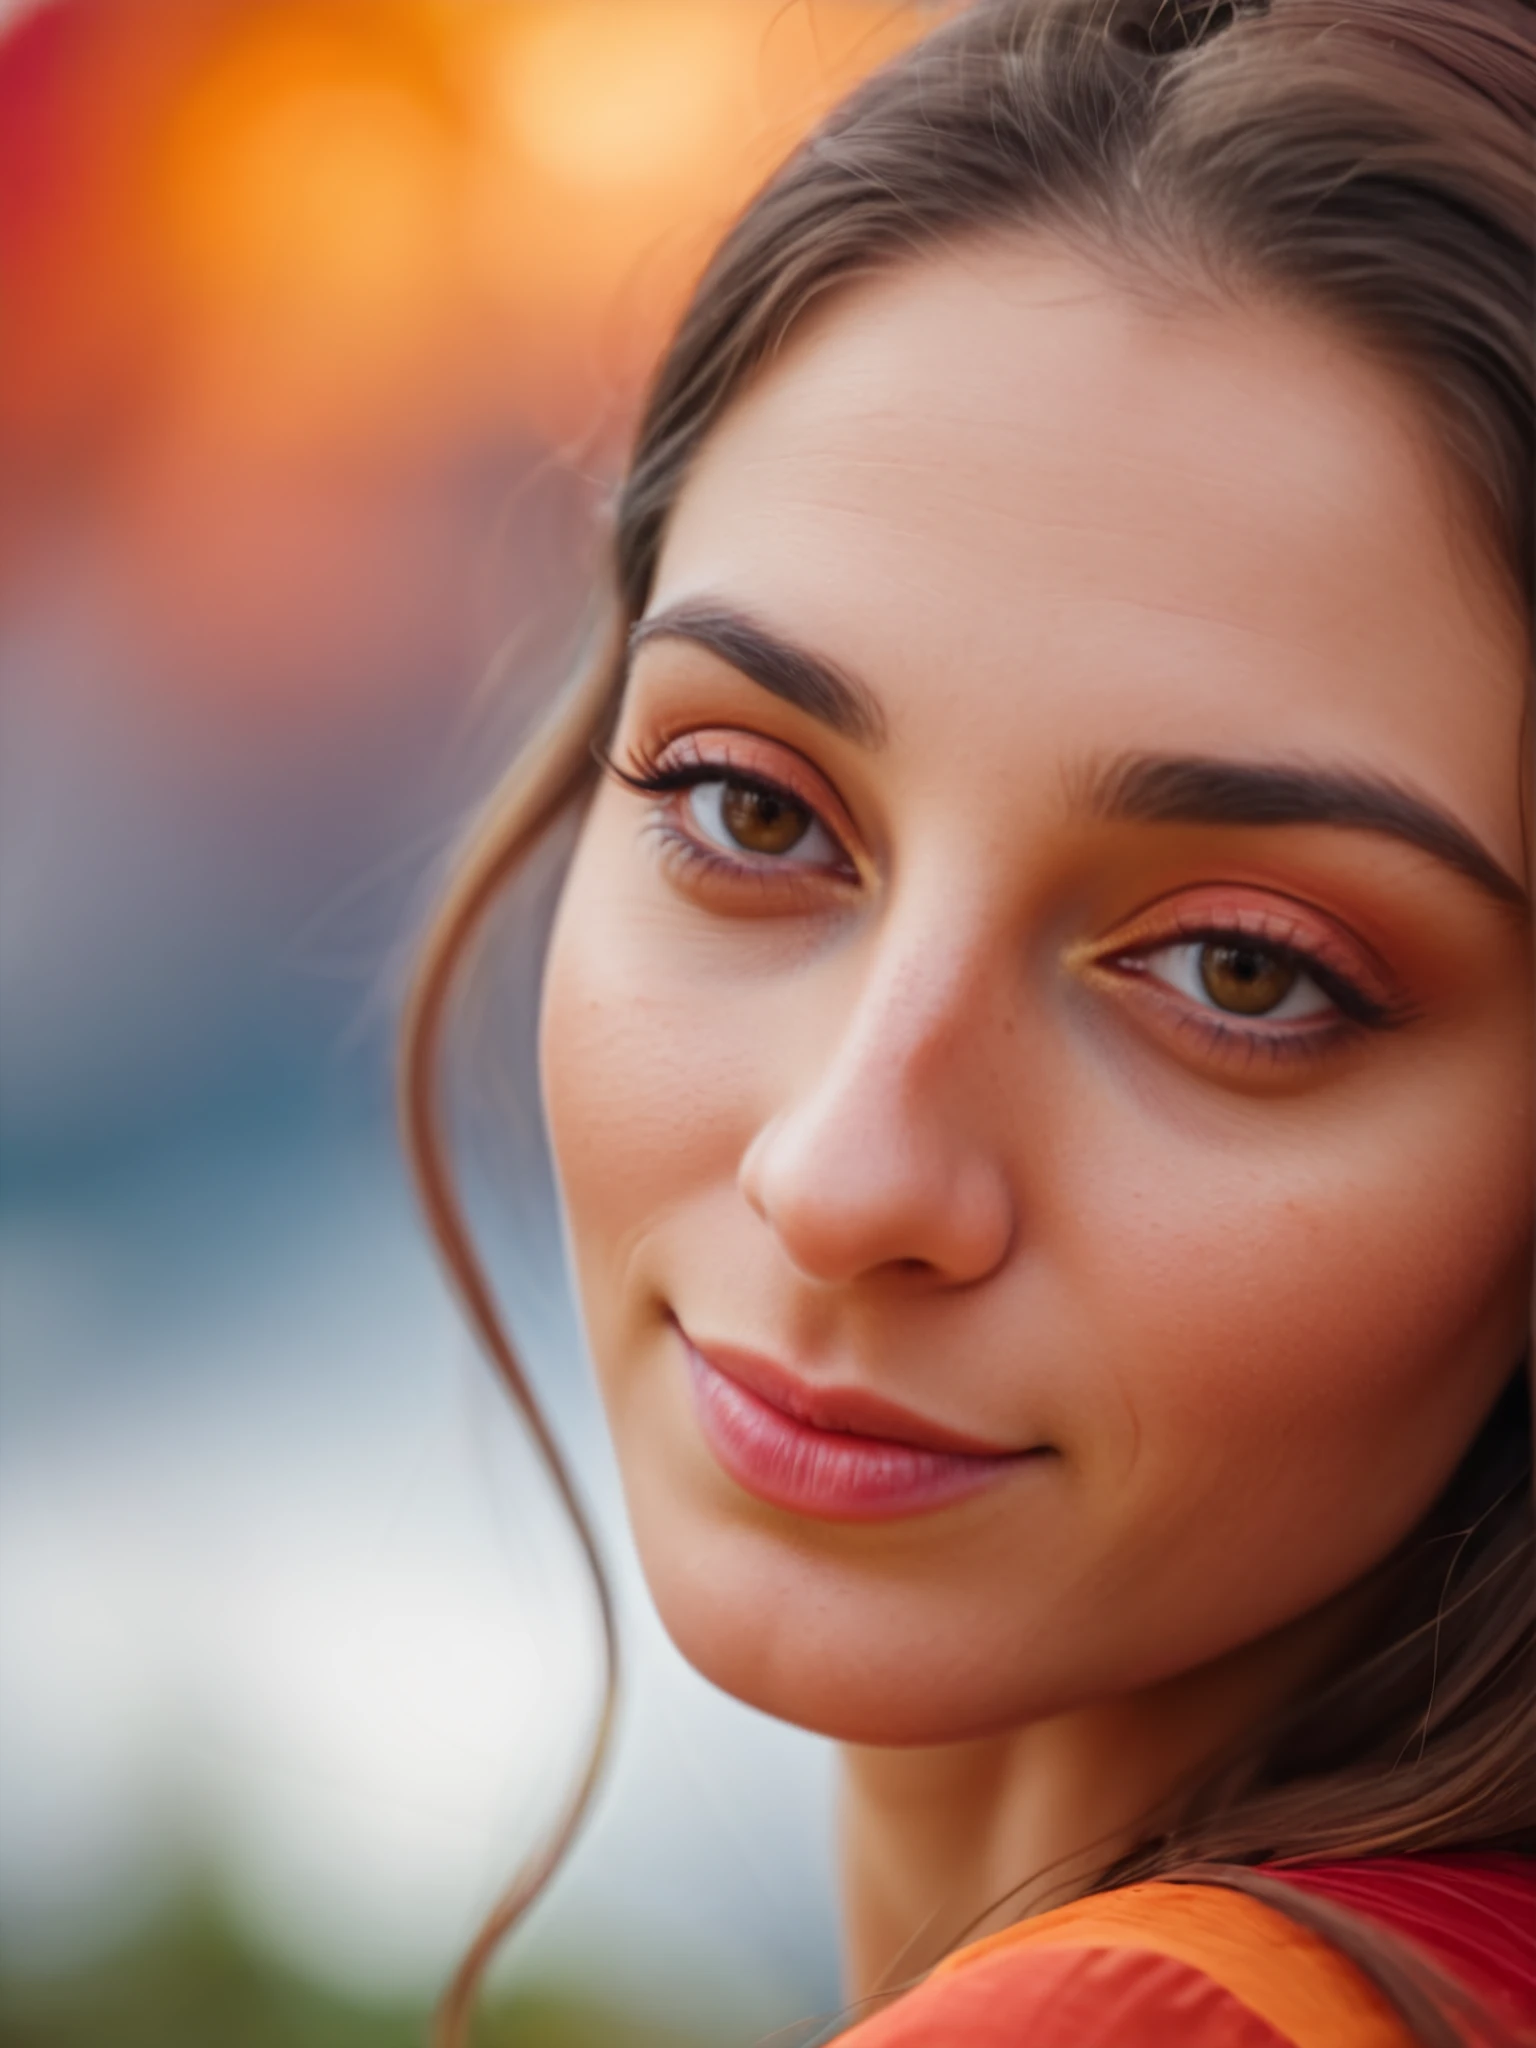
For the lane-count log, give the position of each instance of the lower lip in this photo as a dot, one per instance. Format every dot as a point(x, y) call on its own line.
point(828, 1473)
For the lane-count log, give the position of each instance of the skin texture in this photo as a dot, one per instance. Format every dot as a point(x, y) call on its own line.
point(937, 1115)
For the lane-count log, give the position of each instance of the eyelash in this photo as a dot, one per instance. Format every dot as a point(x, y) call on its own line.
point(1347, 997)
point(1278, 1045)
point(649, 774)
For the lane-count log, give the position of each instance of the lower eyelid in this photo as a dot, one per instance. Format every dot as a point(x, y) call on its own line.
point(1277, 1046)
point(1222, 1033)
point(713, 863)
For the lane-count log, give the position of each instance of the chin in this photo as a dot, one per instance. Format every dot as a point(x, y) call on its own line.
point(844, 1693)
point(805, 1642)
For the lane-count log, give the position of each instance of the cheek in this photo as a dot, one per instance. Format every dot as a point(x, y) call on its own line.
point(1284, 1323)
point(646, 1093)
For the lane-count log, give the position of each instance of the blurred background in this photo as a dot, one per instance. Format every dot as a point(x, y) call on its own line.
point(321, 326)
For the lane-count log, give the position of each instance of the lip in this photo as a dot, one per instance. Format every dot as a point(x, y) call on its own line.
point(838, 1453)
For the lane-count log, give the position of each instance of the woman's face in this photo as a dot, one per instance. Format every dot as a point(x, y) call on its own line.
point(1040, 1071)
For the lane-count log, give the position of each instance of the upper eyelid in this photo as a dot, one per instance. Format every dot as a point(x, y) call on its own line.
point(823, 802)
point(1343, 964)
point(1308, 958)
point(697, 736)
point(1206, 932)
point(1285, 923)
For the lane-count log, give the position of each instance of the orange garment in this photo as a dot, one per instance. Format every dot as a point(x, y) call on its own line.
point(1160, 1965)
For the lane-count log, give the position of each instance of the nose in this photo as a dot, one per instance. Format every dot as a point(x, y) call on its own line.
point(889, 1156)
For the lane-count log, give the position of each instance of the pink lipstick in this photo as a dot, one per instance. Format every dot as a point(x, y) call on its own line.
point(839, 1453)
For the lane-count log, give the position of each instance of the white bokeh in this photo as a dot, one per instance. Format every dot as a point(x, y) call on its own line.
point(284, 1604)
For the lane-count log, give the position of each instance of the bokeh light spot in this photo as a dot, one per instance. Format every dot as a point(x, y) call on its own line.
point(604, 95)
point(307, 207)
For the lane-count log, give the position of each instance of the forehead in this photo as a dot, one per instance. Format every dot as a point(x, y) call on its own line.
point(1039, 512)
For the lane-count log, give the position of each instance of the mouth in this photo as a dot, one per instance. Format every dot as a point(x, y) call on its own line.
point(841, 1454)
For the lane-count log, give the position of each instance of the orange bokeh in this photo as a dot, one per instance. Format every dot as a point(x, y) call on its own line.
point(332, 217)
point(302, 206)
point(279, 274)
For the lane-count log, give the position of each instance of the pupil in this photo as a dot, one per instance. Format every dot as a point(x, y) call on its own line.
point(1245, 978)
point(760, 821)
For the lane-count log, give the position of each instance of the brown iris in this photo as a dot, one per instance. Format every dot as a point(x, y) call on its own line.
point(760, 820)
point(1246, 979)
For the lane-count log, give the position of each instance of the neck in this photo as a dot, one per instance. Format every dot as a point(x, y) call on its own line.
point(941, 1844)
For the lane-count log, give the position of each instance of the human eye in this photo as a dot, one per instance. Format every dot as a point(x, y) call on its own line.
point(730, 804)
point(751, 816)
point(1252, 979)
point(1237, 976)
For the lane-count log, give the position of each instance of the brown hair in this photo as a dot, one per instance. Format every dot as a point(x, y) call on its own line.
point(1368, 161)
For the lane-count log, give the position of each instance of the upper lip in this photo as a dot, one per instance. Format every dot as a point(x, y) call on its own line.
point(848, 1411)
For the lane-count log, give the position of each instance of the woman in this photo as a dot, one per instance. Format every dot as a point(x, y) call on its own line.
point(1037, 1038)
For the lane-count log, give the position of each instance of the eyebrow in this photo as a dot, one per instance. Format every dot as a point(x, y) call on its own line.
point(1170, 789)
point(808, 681)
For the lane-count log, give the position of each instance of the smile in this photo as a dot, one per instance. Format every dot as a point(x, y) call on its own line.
point(840, 1454)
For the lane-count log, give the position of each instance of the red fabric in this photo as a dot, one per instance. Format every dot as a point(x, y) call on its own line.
point(1069, 1998)
point(1473, 1915)
point(1150, 1972)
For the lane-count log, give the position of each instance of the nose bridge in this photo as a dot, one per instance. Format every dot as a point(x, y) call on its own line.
point(882, 1153)
point(922, 1000)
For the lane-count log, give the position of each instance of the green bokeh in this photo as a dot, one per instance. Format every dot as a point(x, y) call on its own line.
point(195, 1982)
